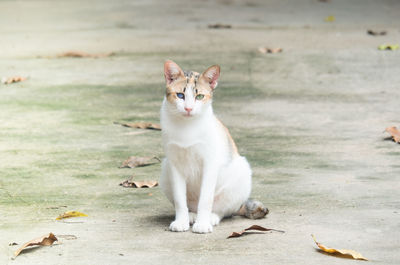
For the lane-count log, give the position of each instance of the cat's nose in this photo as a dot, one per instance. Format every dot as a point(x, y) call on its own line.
point(188, 109)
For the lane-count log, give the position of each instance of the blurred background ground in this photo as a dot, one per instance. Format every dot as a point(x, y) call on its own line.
point(310, 121)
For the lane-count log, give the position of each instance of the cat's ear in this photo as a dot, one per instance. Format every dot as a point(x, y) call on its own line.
point(211, 76)
point(172, 71)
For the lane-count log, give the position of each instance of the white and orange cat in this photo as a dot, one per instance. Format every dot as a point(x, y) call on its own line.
point(203, 174)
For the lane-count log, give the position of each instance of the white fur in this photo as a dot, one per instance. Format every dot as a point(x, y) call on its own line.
point(200, 173)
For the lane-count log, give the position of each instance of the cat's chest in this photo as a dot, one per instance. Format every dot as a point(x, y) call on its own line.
point(187, 160)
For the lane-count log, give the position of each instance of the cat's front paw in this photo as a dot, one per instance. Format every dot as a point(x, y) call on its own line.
point(192, 217)
point(215, 219)
point(179, 226)
point(202, 227)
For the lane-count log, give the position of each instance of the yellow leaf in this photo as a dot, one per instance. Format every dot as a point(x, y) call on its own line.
point(347, 252)
point(71, 214)
point(330, 19)
point(388, 47)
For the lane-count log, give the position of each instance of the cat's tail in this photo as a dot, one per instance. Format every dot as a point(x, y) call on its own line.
point(253, 209)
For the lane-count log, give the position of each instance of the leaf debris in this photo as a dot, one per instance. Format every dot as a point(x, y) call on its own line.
point(394, 133)
point(251, 228)
point(219, 26)
point(330, 19)
point(139, 184)
point(45, 240)
point(265, 50)
point(136, 161)
point(345, 252)
point(142, 125)
point(376, 33)
point(388, 47)
point(78, 54)
point(15, 79)
point(70, 214)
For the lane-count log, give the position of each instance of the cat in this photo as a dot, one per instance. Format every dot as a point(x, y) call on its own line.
point(203, 174)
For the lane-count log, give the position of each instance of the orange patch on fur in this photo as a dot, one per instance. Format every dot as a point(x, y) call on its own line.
point(231, 141)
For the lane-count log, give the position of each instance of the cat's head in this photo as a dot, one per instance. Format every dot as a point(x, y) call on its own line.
point(189, 93)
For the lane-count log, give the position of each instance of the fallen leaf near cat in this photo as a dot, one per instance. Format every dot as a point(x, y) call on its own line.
point(136, 161)
point(390, 47)
point(139, 184)
point(142, 125)
point(57, 207)
point(45, 240)
point(376, 33)
point(340, 252)
point(77, 54)
point(253, 228)
point(394, 132)
point(70, 214)
point(269, 50)
point(219, 26)
point(15, 79)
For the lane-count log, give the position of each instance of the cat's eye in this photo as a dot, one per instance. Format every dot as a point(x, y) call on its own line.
point(180, 95)
point(199, 97)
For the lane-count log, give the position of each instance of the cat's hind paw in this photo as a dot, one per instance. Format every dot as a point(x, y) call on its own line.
point(179, 226)
point(202, 228)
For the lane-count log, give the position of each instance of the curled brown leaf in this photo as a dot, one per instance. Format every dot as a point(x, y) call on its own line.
point(45, 240)
point(253, 228)
point(394, 133)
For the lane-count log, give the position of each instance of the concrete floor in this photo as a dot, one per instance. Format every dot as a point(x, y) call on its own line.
point(310, 120)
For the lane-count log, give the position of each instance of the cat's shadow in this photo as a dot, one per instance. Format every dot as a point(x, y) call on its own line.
point(161, 219)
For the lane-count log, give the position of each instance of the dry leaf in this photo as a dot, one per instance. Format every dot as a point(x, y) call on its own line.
point(71, 214)
point(395, 133)
point(76, 54)
point(253, 227)
point(330, 19)
point(142, 125)
point(219, 26)
point(139, 184)
point(269, 50)
point(384, 47)
point(57, 207)
point(346, 252)
point(45, 240)
point(136, 161)
point(376, 33)
point(10, 80)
